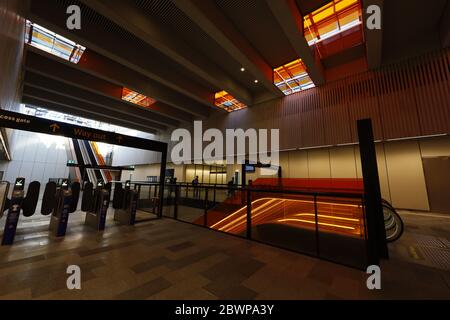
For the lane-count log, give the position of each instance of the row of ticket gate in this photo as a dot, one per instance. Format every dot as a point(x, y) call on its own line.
point(60, 201)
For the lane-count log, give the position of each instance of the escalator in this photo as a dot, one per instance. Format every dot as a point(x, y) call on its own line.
point(392, 221)
point(92, 159)
point(79, 156)
point(85, 154)
point(106, 174)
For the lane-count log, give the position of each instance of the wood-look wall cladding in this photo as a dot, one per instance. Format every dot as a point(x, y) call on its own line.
point(407, 99)
point(12, 27)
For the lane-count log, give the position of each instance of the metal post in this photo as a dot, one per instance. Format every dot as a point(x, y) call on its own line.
point(317, 226)
point(214, 194)
point(249, 213)
point(162, 181)
point(175, 208)
point(377, 247)
point(205, 216)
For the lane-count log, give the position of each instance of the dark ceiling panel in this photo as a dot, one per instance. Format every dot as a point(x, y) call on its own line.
point(175, 20)
point(411, 27)
point(122, 109)
point(256, 22)
point(308, 6)
point(137, 43)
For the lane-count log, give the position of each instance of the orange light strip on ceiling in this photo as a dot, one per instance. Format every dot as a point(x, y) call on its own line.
point(292, 77)
point(226, 101)
point(332, 19)
point(136, 98)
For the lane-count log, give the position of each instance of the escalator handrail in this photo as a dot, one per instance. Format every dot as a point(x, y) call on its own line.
point(394, 215)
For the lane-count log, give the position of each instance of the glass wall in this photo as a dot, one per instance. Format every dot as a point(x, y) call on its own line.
point(212, 174)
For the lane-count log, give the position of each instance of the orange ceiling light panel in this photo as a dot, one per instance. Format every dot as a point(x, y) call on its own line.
point(137, 98)
point(53, 43)
point(331, 19)
point(226, 101)
point(292, 77)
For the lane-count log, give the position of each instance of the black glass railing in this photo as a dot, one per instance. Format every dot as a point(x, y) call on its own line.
point(328, 225)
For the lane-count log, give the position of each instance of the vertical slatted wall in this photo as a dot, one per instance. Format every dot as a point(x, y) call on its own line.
point(407, 99)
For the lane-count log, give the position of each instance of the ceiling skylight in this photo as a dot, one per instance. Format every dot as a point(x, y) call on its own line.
point(331, 19)
point(226, 101)
point(53, 43)
point(136, 98)
point(292, 77)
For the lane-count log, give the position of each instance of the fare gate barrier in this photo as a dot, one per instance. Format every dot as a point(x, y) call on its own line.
point(19, 203)
point(125, 203)
point(60, 202)
point(96, 205)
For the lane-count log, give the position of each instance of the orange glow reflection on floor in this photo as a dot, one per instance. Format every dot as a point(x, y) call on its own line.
point(319, 223)
point(342, 218)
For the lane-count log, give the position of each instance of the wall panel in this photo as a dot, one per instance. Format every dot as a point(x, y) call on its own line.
point(407, 99)
point(406, 176)
point(12, 26)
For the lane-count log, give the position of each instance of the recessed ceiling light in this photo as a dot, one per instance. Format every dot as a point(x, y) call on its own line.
point(256, 81)
point(242, 69)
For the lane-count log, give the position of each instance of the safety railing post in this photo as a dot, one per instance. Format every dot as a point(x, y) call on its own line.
point(249, 213)
point(175, 205)
point(317, 226)
point(205, 216)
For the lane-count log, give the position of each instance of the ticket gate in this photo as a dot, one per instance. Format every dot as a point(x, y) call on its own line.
point(125, 203)
point(17, 204)
point(96, 205)
point(65, 202)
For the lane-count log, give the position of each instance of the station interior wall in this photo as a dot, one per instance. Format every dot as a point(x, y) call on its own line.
point(400, 168)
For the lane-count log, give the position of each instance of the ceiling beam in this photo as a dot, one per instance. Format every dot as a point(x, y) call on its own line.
point(291, 21)
point(444, 27)
point(109, 84)
point(215, 24)
point(373, 38)
point(128, 16)
point(102, 114)
point(121, 49)
point(41, 82)
point(51, 68)
point(78, 112)
point(309, 6)
point(345, 56)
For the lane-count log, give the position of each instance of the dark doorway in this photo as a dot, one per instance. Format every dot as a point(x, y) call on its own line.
point(437, 178)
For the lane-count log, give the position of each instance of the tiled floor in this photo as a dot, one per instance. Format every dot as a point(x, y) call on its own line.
point(166, 259)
